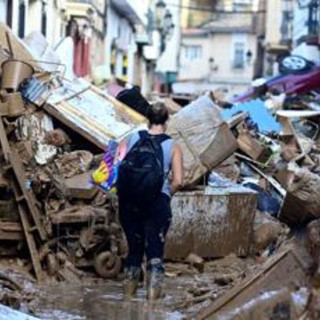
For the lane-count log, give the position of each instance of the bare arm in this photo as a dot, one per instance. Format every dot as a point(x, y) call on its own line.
point(177, 169)
point(121, 150)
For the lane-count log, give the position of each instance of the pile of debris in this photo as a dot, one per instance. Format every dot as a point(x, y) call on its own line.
point(251, 178)
point(252, 171)
point(49, 210)
point(277, 157)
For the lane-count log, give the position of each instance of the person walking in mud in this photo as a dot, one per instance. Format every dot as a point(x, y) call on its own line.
point(144, 192)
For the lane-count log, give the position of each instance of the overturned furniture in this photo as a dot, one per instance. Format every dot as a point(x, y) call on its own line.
point(211, 222)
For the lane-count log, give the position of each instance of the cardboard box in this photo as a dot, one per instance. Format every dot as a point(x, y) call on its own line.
point(204, 137)
point(12, 104)
point(80, 186)
point(252, 147)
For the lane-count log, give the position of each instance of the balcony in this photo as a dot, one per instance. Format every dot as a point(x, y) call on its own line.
point(79, 8)
point(134, 10)
point(277, 48)
point(229, 22)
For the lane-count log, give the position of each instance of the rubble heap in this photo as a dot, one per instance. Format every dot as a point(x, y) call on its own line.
point(49, 210)
point(251, 172)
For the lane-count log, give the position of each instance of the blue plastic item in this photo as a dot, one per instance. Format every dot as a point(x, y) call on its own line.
point(259, 114)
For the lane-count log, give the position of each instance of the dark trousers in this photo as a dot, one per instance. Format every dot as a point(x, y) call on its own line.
point(145, 230)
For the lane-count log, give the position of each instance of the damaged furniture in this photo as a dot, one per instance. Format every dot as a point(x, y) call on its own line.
point(211, 222)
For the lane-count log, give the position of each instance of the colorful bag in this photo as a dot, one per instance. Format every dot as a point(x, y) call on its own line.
point(107, 173)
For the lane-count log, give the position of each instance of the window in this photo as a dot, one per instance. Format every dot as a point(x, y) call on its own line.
point(9, 12)
point(193, 52)
point(22, 19)
point(238, 60)
point(44, 19)
point(242, 5)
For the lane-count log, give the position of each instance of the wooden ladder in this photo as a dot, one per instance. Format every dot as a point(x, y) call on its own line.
point(30, 215)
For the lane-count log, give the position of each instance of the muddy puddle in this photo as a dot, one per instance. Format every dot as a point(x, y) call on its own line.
point(187, 290)
point(102, 301)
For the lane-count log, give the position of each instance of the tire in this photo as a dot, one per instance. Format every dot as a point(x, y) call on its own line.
point(107, 265)
point(294, 65)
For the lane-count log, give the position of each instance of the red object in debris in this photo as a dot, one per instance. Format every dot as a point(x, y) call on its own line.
point(290, 84)
point(81, 57)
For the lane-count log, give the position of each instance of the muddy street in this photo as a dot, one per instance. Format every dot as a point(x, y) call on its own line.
point(100, 301)
point(188, 288)
point(160, 159)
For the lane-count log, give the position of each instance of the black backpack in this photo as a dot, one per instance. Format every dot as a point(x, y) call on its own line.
point(141, 174)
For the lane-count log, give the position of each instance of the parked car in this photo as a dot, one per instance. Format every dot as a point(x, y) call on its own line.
point(294, 64)
point(290, 84)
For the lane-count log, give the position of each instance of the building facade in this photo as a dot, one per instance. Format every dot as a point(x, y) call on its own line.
point(195, 13)
point(129, 32)
point(222, 53)
point(86, 26)
point(26, 16)
point(306, 29)
point(168, 63)
point(100, 37)
point(292, 27)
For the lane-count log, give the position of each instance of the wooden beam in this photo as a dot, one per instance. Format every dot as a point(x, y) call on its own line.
point(4, 141)
point(11, 231)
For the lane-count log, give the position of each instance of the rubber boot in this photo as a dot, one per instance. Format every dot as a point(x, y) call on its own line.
point(131, 281)
point(155, 275)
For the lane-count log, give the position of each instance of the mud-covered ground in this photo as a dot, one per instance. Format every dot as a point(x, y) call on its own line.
point(187, 289)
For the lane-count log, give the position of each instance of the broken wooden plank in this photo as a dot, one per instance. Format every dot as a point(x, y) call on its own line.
point(283, 270)
point(80, 186)
point(270, 179)
point(78, 214)
point(236, 119)
point(4, 141)
point(11, 231)
point(247, 159)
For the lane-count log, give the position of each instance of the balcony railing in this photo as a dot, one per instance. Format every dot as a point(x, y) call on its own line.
point(81, 1)
point(253, 22)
